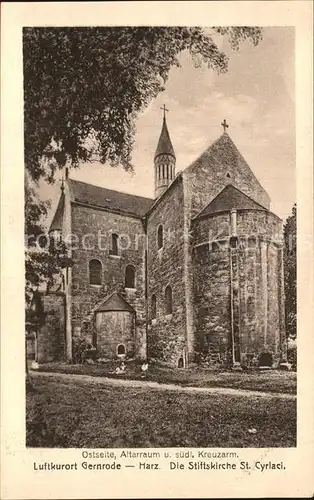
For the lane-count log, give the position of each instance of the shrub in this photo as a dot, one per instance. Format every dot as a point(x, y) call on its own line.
point(79, 346)
point(292, 354)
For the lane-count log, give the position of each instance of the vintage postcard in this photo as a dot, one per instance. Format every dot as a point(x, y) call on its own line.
point(157, 250)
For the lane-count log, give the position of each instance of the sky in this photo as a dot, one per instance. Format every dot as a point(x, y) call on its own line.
point(256, 97)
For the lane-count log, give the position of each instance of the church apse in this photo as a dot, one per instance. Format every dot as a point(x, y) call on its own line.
point(238, 296)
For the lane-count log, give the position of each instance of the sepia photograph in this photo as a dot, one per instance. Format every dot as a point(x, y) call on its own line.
point(160, 236)
point(157, 249)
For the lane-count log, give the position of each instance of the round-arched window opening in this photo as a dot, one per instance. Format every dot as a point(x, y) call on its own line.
point(121, 350)
point(180, 362)
point(250, 308)
point(160, 237)
point(168, 300)
point(154, 307)
point(114, 250)
point(129, 276)
point(95, 272)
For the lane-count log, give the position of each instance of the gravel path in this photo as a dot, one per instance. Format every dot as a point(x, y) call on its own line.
point(144, 384)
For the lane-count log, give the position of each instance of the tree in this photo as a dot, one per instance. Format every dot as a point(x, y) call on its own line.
point(290, 273)
point(84, 87)
point(44, 256)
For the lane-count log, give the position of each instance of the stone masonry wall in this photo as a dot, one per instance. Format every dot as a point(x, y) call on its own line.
point(113, 329)
point(217, 168)
point(86, 297)
point(51, 335)
point(261, 284)
point(167, 334)
point(211, 298)
point(256, 281)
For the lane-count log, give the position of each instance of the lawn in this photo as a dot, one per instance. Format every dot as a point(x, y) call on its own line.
point(267, 381)
point(78, 414)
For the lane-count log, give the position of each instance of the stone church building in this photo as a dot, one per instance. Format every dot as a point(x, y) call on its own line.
point(196, 271)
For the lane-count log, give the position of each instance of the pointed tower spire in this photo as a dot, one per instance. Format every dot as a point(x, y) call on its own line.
point(164, 160)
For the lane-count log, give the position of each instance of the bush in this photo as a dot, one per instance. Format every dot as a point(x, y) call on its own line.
point(79, 346)
point(89, 354)
point(292, 354)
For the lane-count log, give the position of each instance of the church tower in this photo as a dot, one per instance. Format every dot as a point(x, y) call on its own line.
point(164, 160)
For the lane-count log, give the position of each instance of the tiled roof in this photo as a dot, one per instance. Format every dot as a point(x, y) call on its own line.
point(230, 197)
point(109, 199)
point(164, 144)
point(114, 303)
point(56, 224)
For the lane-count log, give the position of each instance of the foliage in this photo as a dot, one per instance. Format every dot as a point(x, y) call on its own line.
point(44, 256)
point(79, 345)
point(292, 356)
point(292, 353)
point(290, 273)
point(84, 87)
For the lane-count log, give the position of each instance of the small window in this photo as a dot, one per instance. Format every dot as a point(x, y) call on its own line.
point(95, 269)
point(121, 350)
point(250, 308)
point(233, 241)
point(206, 341)
point(168, 300)
point(228, 175)
point(160, 237)
point(154, 307)
point(130, 276)
point(114, 250)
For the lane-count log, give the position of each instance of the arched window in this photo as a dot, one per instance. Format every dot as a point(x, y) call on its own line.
point(121, 350)
point(168, 300)
point(114, 244)
point(130, 276)
point(160, 237)
point(154, 307)
point(250, 308)
point(95, 269)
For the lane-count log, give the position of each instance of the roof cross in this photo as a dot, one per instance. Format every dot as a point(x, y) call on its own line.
point(225, 125)
point(164, 110)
